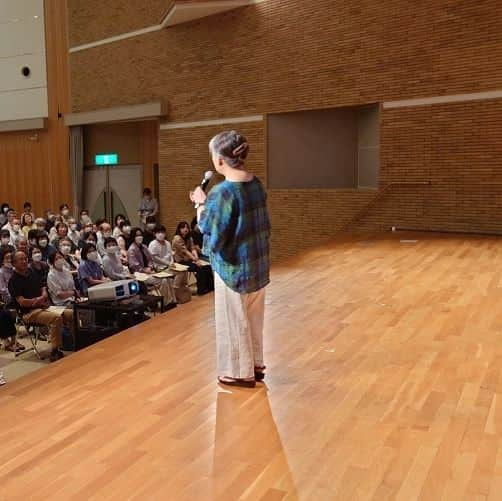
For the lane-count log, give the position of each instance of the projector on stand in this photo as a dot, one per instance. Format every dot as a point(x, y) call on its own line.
point(111, 291)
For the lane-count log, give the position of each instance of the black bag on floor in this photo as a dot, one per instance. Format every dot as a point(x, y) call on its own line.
point(7, 325)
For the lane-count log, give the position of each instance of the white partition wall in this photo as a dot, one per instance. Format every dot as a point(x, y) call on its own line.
point(23, 74)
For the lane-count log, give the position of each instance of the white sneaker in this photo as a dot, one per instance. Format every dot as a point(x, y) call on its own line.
point(2, 379)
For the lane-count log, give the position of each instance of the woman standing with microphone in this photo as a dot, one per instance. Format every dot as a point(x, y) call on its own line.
point(236, 227)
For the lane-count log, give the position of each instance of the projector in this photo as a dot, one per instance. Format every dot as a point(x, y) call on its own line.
point(110, 291)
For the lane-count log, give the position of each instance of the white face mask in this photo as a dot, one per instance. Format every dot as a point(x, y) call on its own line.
point(73, 227)
point(59, 264)
point(65, 212)
point(92, 256)
point(138, 240)
point(160, 237)
point(126, 229)
point(6, 210)
point(8, 265)
point(85, 219)
point(66, 249)
point(36, 257)
point(43, 243)
point(90, 242)
point(16, 227)
point(113, 249)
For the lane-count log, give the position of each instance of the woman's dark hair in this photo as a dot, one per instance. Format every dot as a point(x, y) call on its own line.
point(182, 224)
point(41, 235)
point(61, 225)
point(4, 233)
point(230, 146)
point(135, 230)
point(86, 249)
point(126, 222)
point(26, 205)
point(4, 206)
point(150, 219)
point(84, 211)
point(63, 206)
point(4, 250)
point(117, 216)
point(33, 234)
point(88, 234)
point(160, 229)
point(110, 240)
point(23, 218)
point(53, 256)
point(147, 191)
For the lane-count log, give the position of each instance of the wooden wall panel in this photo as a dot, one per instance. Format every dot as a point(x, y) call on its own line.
point(34, 165)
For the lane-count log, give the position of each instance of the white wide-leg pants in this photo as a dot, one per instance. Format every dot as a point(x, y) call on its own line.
point(239, 330)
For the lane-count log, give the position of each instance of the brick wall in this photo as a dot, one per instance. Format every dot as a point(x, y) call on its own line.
point(287, 55)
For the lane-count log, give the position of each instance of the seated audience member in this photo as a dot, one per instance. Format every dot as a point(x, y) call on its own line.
point(27, 223)
point(90, 272)
point(5, 239)
point(64, 212)
point(182, 246)
point(160, 249)
point(11, 215)
point(40, 223)
point(184, 253)
point(22, 244)
point(121, 242)
point(112, 265)
point(66, 249)
point(44, 246)
point(61, 287)
point(51, 220)
point(73, 233)
point(32, 238)
point(37, 264)
point(89, 237)
point(32, 299)
point(62, 232)
point(148, 206)
point(138, 255)
point(4, 208)
point(84, 218)
point(105, 231)
point(125, 232)
point(27, 209)
point(16, 232)
point(116, 230)
point(149, 232)
point(6, 272)
point(140, 260)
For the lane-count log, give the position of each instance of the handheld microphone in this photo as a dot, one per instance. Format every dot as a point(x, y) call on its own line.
point(205, 181)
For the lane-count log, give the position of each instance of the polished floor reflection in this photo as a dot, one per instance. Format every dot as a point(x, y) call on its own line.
point(384, 381)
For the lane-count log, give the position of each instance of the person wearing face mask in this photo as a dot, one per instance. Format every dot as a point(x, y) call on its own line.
point(119, 218)
point(37, 265)
point(88, 237)
point(16, 233)
point(149, 233)
point(84, 219)
point(73, 233)
point(22, 245)
point(105, 231)
point(32, 300)
point(43, 244)
point(140, 260)
point(125, 232)
point(112, 265)
point(6, 272)
point(32, 238)
point(160, 249)
point(62, 232)
point(40, 223)
point(90, 272)
point(5, 240)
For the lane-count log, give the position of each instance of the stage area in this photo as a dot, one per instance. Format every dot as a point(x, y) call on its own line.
point(384, 358)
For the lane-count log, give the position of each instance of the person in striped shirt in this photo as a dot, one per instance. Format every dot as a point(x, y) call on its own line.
point(236, 227)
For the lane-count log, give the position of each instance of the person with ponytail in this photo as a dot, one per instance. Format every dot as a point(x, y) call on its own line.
point(235, 223)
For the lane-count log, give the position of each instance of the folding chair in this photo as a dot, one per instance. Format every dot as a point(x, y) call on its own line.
point(36, 332)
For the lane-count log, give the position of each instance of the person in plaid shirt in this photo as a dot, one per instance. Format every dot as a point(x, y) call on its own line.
point(234, 220)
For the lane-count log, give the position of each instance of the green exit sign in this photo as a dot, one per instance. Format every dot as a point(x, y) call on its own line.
point(106, 159)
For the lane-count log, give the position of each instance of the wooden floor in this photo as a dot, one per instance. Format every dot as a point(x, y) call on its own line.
point(384, 382)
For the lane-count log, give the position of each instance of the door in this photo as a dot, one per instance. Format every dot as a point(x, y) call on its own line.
point(111, 190)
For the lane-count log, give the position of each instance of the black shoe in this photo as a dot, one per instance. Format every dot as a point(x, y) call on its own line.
point(55, 355)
